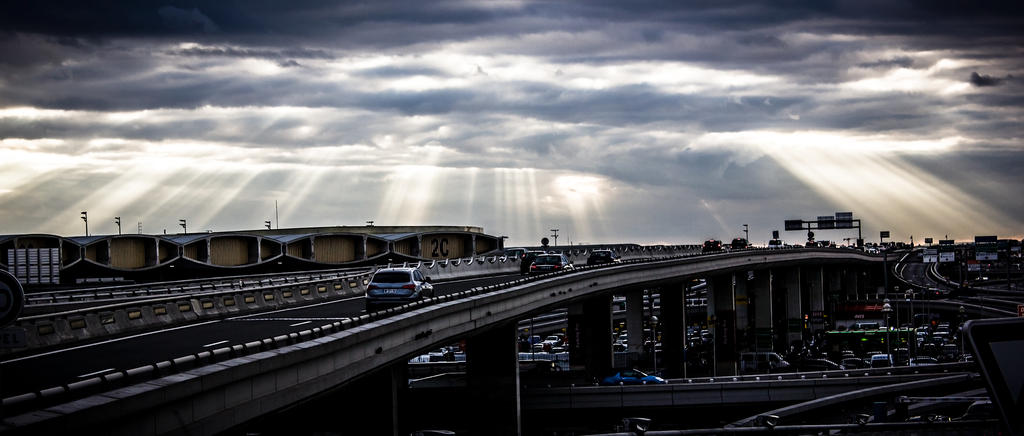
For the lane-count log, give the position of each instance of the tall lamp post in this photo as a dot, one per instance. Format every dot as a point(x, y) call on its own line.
point(85, 217)
point(654, 340)
point(887, 310)
point(913, 323)
point(746, 233)
point(963, 313)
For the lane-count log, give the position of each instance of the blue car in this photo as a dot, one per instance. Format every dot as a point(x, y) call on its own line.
point(631, 377)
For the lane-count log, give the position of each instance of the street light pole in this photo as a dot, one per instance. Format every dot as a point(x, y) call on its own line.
point(746, 233)
point(117, 220)
point(654, 340)
point(887, 310)
point(85, 217)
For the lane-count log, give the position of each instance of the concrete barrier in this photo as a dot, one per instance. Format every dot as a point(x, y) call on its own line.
point(64, 328)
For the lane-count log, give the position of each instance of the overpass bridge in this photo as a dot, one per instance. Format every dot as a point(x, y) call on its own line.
point(221, 389)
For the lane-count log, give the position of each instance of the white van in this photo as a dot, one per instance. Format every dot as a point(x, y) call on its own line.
point(762, 362)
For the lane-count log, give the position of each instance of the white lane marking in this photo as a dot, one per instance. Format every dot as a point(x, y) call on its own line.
point(476, 278)
point(96, 373)
point(299, 323)
point(107, 342)
point(294, 308)
point(214, 344)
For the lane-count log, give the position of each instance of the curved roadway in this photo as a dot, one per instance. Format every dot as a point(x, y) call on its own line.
point(44, 370)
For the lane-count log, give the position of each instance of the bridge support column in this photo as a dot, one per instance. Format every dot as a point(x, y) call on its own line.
point(834, 288)
point(492, 372)
point(851, 283)
point(635, 321)
point(794, 317)
point(743, 331)
point(379, 410)
point(673, 329)
point(590, 331)
point(722, 306)
point(760, 297)
point(816, 293)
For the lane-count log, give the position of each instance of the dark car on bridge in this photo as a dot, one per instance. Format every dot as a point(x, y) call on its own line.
point(527, 260)
point(711, 246)
point(550, 263)
point(631, 377)
point(397, 286)
point(598, 257)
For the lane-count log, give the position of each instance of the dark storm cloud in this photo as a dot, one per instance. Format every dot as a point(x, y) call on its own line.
point(234, 52)
point(980, 80)
point(902, 62)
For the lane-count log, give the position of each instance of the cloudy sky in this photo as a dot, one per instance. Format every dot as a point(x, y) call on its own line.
point(651, 122)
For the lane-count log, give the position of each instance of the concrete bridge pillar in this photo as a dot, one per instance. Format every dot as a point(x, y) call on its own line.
point(590, 335)
point(816, 297)
point(378, 411)
point(851, 283)
point(492, 378)
point(673, 329)
point(635, 321)
point(834, 283)
point(794, 315)
point(743, 330)
point(760, 300)
point(722, 306)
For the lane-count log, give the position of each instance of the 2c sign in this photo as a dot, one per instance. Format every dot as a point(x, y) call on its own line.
point(439, 247)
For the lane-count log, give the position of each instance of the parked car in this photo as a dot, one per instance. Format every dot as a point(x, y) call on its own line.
point(817, 365)
point(761, 362)
point(550, 263)
point(631, 377)
point(598, 257)
point(881, 361)
point(854, 363)
point(397, 286)
point(923, 361)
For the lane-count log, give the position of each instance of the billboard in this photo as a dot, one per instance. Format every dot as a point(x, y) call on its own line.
point(826, 222)
point(794, 225)
point(927, 240)
point(883, 234)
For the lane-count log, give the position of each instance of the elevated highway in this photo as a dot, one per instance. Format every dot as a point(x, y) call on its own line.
point(225, 387)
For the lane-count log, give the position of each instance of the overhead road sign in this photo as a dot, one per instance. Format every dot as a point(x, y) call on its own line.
point(826, 222)
point(985, 248)
point(844, 220)
point(931, 255)
point(794, 225)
